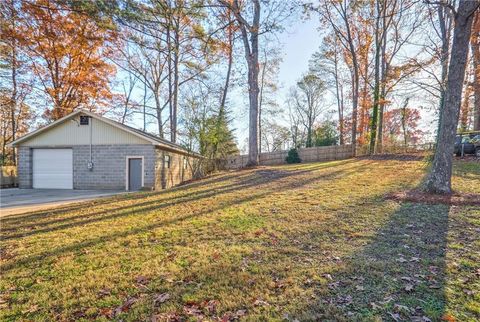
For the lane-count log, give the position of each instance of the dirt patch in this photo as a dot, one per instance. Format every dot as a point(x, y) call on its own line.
point(398, 157)
point(418, 196)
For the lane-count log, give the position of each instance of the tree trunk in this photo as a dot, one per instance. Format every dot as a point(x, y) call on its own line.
point(173, 119)
point(251, 54)
point(465, 108)
point(404, 124)
point(475, 40)
point(439, 177)
point(262, 84)
point(159, 113)
point(383, 83)
point(339, 98)
point(445, 30)
point(253, 91)
point(376, 88)
point(249, 33)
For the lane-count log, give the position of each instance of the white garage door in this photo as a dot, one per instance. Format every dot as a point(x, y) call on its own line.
point(53, 168)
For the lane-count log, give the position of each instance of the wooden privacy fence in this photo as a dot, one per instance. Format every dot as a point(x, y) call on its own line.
point(397, 149)
point(323, 153)
point(8, 177)
point(315, 154)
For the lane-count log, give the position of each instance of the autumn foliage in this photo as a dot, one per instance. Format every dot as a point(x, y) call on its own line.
point(69, 56)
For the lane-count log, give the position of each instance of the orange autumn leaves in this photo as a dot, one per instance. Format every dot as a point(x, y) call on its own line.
point(68, 53)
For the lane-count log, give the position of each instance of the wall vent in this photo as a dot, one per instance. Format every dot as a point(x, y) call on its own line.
point(84, 120)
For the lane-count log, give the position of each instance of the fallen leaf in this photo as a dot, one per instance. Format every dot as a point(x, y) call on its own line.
point(448, 317)
point(395, 316)
point(386, 300)
point(409, 287)
point(211, 306)
point(333, 285)
point(161, 298)
point(359, 288)
point(141, 279)
point(125, 306)
point(347, 300)
point(104, 292)
point(240, 313)
point(375, 306)
point(468, 292)
point(193, 310)
point(106, 312)
point(328, 277)
point(402, 309)
point(260, 303)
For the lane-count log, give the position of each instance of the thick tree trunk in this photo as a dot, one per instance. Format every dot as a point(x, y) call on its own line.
point(445, 29)
point(439, 178)
point(251, 53)
point(254, 120)
point(475, 40)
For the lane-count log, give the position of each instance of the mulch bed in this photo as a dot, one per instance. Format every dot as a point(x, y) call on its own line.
point(459, 199)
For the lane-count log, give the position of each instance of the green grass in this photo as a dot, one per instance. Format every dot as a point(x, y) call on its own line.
point(308, 242)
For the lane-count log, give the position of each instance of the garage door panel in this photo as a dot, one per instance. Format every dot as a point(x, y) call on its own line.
point(53, 168)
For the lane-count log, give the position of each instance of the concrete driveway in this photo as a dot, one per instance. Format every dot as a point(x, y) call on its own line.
point(16, 201)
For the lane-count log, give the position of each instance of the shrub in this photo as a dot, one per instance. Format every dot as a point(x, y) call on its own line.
point(293, 156)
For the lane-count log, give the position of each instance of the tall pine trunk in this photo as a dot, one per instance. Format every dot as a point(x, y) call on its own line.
point(439, 177)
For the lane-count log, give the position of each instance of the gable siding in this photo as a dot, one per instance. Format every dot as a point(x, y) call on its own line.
point(71, 133)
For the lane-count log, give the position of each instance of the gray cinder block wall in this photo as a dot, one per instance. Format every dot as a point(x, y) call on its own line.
point(109, 170)
point(24, 167)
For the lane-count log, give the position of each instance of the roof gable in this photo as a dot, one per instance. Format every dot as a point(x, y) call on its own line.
point(68, 131)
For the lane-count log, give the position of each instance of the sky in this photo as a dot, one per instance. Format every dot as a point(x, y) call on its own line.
point(298, 42)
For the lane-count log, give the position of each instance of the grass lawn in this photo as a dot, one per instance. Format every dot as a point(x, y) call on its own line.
point(301, 242)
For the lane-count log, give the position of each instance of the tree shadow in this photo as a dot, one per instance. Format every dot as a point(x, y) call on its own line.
point(399, 275)
point(108, 200)
point(252, 181)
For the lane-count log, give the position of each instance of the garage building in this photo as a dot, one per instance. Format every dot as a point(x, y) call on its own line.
point(84, 150)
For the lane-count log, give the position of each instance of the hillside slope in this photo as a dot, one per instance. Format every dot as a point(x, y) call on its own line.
point(308, 242)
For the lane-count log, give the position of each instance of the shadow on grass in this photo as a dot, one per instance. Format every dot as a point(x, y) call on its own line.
point(399, 275)
point(34, 215)
point(253, 181)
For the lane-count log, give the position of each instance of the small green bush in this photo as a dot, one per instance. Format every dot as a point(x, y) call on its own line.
point(293, 156)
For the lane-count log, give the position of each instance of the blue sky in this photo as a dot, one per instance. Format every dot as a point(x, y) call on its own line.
point(298, 42)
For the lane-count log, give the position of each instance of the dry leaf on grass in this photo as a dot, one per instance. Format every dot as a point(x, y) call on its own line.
point(409, 287)
point(125, 306)
point(260, 303)
point(161, 298)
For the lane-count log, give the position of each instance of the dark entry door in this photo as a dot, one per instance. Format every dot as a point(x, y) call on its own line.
point(134, 174)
